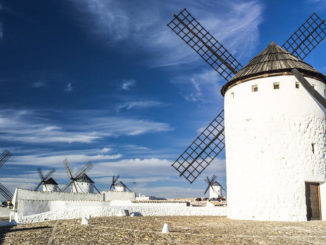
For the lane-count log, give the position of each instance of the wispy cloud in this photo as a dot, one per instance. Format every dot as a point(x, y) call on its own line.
point(139, 105)
point(202, 87)
point(128, 84)
point(39, 84)
point(31, 127)
point(234, 23)
point(68, 88)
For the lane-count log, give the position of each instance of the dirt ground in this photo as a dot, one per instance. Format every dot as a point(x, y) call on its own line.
point(147, 230)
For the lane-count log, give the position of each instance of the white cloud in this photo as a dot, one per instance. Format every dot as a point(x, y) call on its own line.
point(234, 23)
point(30, 127)
point(128, 84)
point(68, 88)
point(106, 149)
point(51, 160)
point(203, 87)
point(139, 104)
point(151, 176)
point(39, 84)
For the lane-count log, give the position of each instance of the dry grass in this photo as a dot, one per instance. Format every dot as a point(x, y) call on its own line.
point(184, 230)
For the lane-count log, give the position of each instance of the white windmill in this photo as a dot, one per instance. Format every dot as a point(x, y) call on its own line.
point(275, 125)
point(214, 187)
point(49, 184)
point(118, 185)
point(81, 183)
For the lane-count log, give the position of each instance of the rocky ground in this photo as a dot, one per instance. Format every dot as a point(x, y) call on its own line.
point(147, 230)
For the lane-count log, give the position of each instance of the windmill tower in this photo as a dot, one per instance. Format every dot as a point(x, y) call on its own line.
point(81, 183)
point(84, 184)
point(118, 185)
point(275, 125)
point(214, 187)
point(50, 185)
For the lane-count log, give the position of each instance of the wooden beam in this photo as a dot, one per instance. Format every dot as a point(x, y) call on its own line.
point(310, 89)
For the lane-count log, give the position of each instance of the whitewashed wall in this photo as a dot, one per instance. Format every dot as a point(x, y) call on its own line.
point(268, 149)
point(78, 209)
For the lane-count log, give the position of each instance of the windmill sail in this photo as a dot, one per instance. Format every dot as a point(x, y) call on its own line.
point(5, 192)
point(306, 37)
point(5, 155)
point(200, 40)
point(195, 159)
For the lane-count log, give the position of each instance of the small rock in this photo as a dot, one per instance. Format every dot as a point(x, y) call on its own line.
point(166, 228)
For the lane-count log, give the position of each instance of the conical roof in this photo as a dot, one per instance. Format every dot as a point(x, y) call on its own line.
point(84, 178)
point(272, 61)
point(50, 182)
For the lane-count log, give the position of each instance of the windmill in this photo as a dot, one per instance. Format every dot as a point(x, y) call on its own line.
point(118, 185)
point(4, 157)
point(214, 187)
point(264, 102)
point(114, 181)
point(48, 183)
point(80, 181)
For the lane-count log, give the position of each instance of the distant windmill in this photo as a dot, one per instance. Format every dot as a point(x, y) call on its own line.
point(114, 181)
point(215, 188)
point(118, 185)
point(4, 157)
point(48, 183)
point(81, 182)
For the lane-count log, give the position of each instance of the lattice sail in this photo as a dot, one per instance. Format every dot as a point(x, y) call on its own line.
point(5, 155)
point(200, 40)
point(306, 37)
point(5, 192)
point(195, 159)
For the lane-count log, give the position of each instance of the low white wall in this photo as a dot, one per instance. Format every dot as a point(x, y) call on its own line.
point(118, 195)
point(74, 209)
point(21, 194)
point(4, 212)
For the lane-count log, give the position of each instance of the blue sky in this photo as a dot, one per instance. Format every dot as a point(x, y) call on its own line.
point(107, 81)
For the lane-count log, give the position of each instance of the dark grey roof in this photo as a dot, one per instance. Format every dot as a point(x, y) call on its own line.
point(216, 183)
point(272, 60)
point(50, 182)
point(84, 178)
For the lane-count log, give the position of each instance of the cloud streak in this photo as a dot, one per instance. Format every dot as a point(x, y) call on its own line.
point(139, 105)
point(128, 84)
point(31, 127)
point(234, 23)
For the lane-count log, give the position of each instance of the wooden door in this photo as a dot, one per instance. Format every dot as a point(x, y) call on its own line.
point(313, 201)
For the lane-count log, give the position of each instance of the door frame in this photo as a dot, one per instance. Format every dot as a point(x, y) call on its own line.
point(307, 183)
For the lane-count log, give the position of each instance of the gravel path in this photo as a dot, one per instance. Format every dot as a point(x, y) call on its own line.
point(184, 230)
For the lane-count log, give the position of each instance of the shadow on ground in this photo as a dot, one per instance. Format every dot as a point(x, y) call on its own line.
point(9, 229)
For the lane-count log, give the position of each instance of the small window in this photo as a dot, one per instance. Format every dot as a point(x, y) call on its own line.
point(232, 94)
point(297, 85)
point(313, 85)
point(313, 147)
point(254, 88)
point(276, 85)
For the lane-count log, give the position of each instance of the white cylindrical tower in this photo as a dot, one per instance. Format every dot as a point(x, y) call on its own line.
point(215, 191)
point(50, 185)
point(275, 140)
point(84, 185)
point(119, 187)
